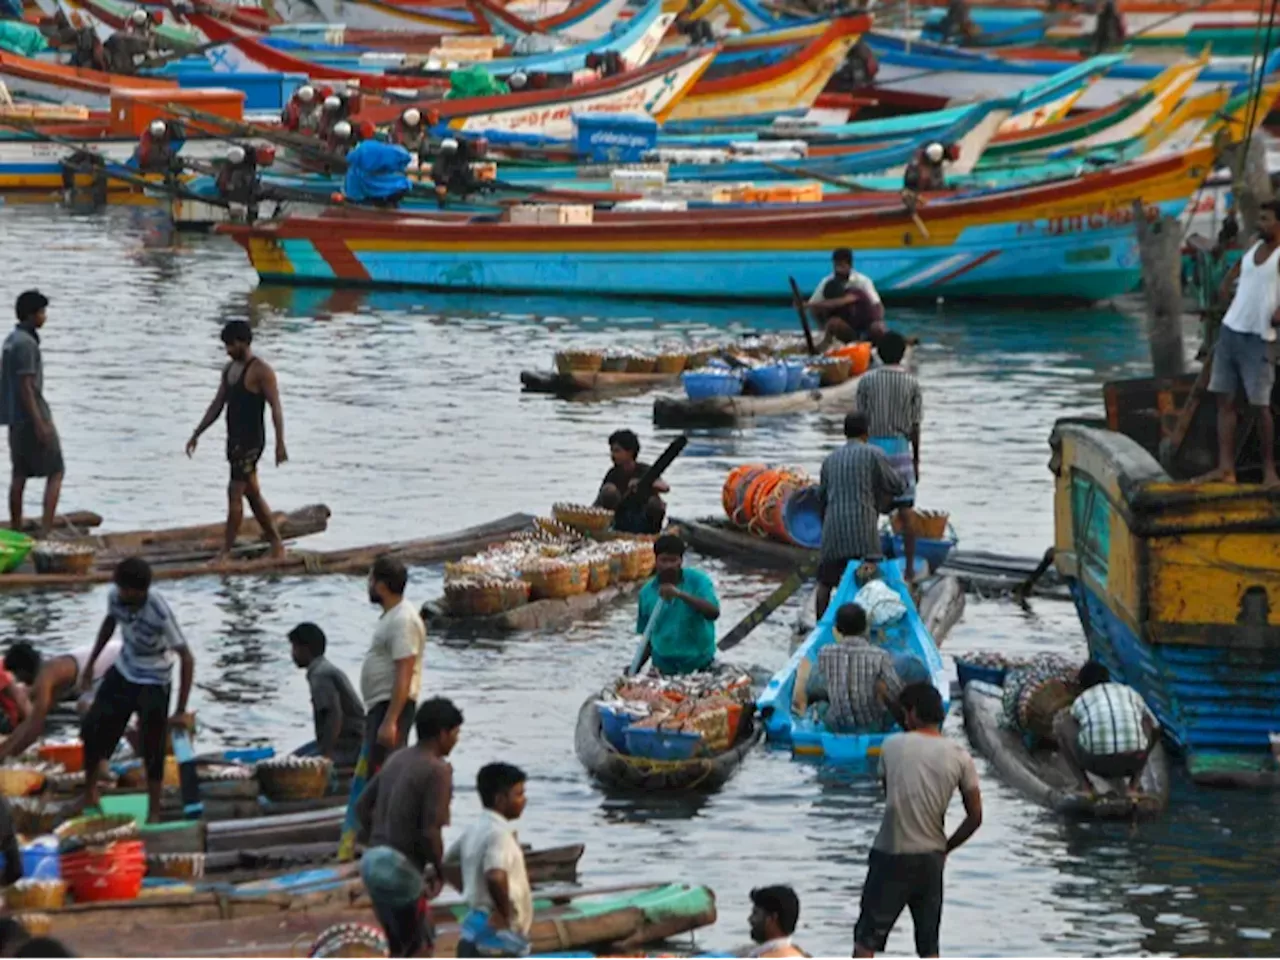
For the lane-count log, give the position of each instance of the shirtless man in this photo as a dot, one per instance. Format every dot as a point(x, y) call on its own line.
point(50, 680)
point(247, 388)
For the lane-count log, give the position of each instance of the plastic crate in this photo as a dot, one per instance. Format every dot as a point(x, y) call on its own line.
point(661, 744)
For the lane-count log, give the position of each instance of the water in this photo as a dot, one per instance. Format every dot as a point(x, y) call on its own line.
point(404, 415)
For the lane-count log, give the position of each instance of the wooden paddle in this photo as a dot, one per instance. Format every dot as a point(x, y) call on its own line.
point(798, 299)
point(769, 604)
point(646, 647)
point(644, 486)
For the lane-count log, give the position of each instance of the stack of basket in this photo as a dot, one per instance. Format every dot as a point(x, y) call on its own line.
point(484, 596)
point(553, 578)
point(285, 779)
point(581, 518)
point(579, 361)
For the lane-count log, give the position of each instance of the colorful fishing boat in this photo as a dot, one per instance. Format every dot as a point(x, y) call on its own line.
point(807, 736)
point(1177, 583)
point(584, 20)
point(1070, 239)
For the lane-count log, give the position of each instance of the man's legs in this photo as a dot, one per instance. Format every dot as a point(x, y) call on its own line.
point(925, 901)
point(253, 493)
point(153, 728)
point(52, 491)
point(17, 486)
point(884, 896)
point(907, 515)
point(102, 728)
point(235, 516)
point(1267, 429)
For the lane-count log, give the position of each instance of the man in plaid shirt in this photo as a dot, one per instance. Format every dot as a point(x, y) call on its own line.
point(1108, 732)
point(862, 684)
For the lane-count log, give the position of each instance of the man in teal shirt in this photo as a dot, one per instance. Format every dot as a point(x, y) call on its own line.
point(684, 609)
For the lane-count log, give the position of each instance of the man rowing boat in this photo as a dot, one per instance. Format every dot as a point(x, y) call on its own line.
point(677, 612)
point(643, 516)
point(247, 387)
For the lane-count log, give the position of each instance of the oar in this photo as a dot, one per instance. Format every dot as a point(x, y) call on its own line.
point(766, 606)
point(798, 299)
point(644, 485)
point(642, 652)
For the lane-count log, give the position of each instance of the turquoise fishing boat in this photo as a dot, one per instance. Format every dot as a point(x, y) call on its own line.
point(807, 736)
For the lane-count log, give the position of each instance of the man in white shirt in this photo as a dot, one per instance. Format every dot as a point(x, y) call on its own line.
point(1243, 357)
point(847, 303)
point(494, 881)
point(391, 675)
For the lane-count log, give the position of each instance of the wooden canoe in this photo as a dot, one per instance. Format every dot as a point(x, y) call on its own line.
point(297, 562)
point(76, 521)
point(1042, 775)
point(310, 519)
point(678, 412)
point(616, 920)
point(977, 571)
point(599, 384)
point(618, 771)
point(538, 615)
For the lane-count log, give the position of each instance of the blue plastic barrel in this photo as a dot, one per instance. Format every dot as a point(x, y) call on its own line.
point(802, 517)
point(795, 375)
point(768, 381)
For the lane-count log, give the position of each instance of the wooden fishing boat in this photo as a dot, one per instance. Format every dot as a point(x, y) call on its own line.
point(617, 770)
point(539, 615)
point(806, 736)
point(40, 80)
point(681, 412)
point(1177, 583)
point(620, 920)
point(1042, 775)
point(788, 87)
point(583, 20)
point(351, 560)
point(599, 383)
point(75, 521)
point(1071, 239)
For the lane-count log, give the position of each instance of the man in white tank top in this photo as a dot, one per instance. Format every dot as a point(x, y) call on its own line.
point(1243, 356)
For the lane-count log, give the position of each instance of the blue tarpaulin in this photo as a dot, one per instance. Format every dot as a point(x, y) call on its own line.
point(20, 38)
point(375, 171)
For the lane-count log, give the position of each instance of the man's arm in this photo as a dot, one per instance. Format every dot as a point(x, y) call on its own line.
point(188, 674)
point(27, 391)
point(210, 415)
point(327, 707)
point(271, 391)
point(917, 415)
point(495, 882)
point(29, 730)
point(1232, 276)
point(707, 607)
point(436, 817)
point(104, 634)
point(387, 733)
point(971, 794)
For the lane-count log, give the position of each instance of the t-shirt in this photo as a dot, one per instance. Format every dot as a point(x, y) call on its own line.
point(21, 357)
point(683, 640)
point(400, 633)
point(921, 773)
point(1110, 717)
point(488, 844)
point(149, 636)
point(856, 282)
point(332, 693)
point(409, 796)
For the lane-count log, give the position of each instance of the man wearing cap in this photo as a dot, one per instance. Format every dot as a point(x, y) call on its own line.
point(248, 386)
point(302, 112)
point(34, 449)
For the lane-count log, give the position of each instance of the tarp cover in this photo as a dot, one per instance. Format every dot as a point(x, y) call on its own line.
point(375, 171)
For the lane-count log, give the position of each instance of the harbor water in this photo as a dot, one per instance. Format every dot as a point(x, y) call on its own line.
point(404, 414)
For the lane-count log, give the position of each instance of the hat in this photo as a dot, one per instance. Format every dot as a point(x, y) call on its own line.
point(411, 117)
point(934, 152)
point(157, 128)
point(30, 302)
point(236, 154)
point(306, 93)
point(342, 129)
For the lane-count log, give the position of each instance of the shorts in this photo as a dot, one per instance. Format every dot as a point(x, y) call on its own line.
point(31, 458)
point(895, 881)
point(373, 720)
point(244, 464)
point(1243, 361)
point(831, 572)
point(117, 700)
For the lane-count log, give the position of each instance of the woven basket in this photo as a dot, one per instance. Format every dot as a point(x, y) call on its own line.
point(599, 574)
point(36, 924)
point(96, 831)
point(36, 895)
point(625, 565)
point(833, 370)
point(176, 866)
point(294, 778)
point(579, 361)
point(646, 561)
point(576, 516)
point(1038, 707)
point(485, 598)
point(614, 364)
point(350, 940)
point(928, 524)
point(68, 558)
point(555, 581)
point(671, 363)
point(20, 781)
point(641, 364)
point(556, 529)
point(35, 818)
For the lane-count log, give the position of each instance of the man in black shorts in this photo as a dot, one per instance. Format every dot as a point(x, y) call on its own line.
point(34, 448)
point(247, 387)
point(857, 484)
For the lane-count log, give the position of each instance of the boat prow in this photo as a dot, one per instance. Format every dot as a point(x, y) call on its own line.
point(1042, 774)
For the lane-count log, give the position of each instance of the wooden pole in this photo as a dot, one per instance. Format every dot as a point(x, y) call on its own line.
point(1160, 247)
point(1250, 183)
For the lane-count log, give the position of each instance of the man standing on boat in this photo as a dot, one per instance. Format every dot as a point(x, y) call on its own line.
point(1108, 731)
point(677, 613)
point(247, 388)
point(34, 449)
point(890, 399)
point(856, 485)
point(1243, 357)
point(921, 770)
point(391, 676)
point(847, 303)
point(645, 516)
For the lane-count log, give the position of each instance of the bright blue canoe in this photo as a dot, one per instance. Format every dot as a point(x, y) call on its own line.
point(809, 738)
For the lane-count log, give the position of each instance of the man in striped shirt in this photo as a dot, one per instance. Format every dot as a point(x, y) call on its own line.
point(856, 485)
point(1108, 731)
point(890, 399)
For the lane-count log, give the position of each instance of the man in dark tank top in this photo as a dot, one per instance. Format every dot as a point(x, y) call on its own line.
point(247, 388)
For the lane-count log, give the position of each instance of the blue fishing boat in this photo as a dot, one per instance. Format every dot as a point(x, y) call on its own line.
point(809, 737)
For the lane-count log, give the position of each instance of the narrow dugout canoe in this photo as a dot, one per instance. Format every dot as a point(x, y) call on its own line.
point(619, 771)
point(618, 920)
point(312, 518)
point(538, 615)
point(1042, 775)
point(681, 412)
point(602, 383)
point(296, 563)
point(76, 520)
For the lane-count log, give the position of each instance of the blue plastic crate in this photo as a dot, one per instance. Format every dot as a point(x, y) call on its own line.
point(661, 744)
point(614, 722)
